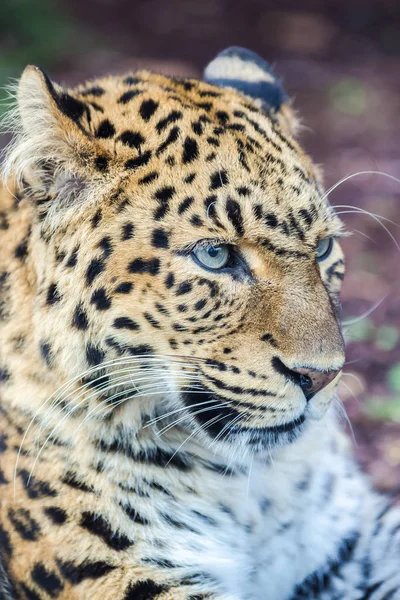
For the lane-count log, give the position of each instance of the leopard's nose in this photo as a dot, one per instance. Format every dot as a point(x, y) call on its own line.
point(312, 381)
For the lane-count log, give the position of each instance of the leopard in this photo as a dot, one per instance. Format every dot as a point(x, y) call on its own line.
point(171, 350)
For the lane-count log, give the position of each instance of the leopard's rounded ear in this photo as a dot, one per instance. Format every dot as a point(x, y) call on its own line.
point(51, 146)
point(39, 98)
point(48, 126)
point(246, 72)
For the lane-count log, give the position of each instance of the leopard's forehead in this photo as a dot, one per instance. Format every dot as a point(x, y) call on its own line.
point(197, 138)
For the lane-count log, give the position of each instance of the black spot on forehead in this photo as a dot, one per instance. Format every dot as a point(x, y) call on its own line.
point(139, 161)
point(106, 245)
point(152, 320)
point(200, 304)
point(234, 214)
point(147, 109)
point(93, 91)
point(141, 265)
point(163, 195)
point(71, 107)
point(307, 216)
point(218, 179)
point(133, 139)
point(148, 178)
point(105, 129)
point(128, 231)
point(96, 106)
point(127, 96)
point(160, 238)
point(131, 80)
point(196, 221)
point(5, 543)
point(243, 191)
point(185, 204)
point(190, 150)
point(101, 163)
point(171, 138)
point(213, 141)
point(173, 116)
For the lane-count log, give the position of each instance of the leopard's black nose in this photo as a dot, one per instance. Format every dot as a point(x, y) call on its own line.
point(312, 381)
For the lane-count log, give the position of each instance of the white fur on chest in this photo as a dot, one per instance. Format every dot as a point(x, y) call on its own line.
point(266, 531)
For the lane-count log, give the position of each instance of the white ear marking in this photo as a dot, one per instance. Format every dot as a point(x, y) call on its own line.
point(233, 67)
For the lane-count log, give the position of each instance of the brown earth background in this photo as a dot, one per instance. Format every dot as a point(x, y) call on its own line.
point(340, 60)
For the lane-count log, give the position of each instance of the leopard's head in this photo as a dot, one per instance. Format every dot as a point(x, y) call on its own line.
point(186, 259)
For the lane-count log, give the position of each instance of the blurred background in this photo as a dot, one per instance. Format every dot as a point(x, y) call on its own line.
point(340, 61)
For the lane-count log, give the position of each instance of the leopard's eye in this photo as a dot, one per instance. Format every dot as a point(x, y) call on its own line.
point(212, 257)
point(324, 248)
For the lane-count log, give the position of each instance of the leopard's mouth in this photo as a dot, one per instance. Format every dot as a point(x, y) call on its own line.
point(221, 420)
point(261, 438)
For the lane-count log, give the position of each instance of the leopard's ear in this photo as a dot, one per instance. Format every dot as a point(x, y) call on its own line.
point(249, 74)
point(52, 146)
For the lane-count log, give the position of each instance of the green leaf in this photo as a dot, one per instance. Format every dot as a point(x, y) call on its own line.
point(393, 378)
point(387, 337)
point(360, 330)
point(383, 408)
point(349, 96)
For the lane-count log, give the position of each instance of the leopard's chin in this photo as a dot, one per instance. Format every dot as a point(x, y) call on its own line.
point(260, 439)
point(223, 423)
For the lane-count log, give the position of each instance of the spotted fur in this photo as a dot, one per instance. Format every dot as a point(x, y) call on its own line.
point(155, 439)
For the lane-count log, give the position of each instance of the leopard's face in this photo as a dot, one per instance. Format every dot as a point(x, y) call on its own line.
point(188, 256)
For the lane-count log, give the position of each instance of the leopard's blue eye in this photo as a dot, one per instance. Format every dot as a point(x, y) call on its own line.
point(324, 248)
point(212, 257)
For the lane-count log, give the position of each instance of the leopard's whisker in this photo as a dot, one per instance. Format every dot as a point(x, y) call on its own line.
point(110, 385)
point(168, 414)
point(364, 211)
point(339, 405)
point(390, 234)
point(197, 412)
point(352, 175)
point(368, 237)
point(351, 322)
point(345, 374)
point(117, 383)
point(59, 424)
point(199, 429)
point(228, 426)
point(114, 404)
